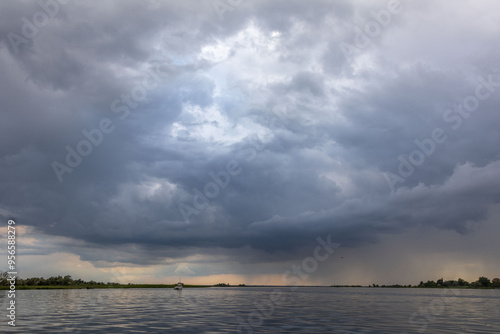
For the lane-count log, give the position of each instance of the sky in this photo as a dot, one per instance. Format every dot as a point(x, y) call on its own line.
point(249, 141)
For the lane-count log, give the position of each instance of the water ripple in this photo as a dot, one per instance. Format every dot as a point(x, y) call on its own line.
point(256, 310)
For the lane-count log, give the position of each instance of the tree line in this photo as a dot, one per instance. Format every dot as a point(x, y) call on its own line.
point(51, 281)
point(482, 282)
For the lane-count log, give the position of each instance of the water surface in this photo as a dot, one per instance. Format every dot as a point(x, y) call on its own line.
point(256, 310)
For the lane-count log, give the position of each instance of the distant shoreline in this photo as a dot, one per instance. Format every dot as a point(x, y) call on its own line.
point(105, 286)
point(67, 282)
point(171, 286)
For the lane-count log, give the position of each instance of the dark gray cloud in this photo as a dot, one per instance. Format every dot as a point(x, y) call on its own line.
point(300, 133)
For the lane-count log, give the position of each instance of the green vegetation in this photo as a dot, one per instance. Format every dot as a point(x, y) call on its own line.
point(66, 282)
point(51, 281)
point(222, 284)
point(105, 286)
point(481, 283)
point(394, 286)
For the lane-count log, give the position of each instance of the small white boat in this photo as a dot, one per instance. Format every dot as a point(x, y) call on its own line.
point(178, 286)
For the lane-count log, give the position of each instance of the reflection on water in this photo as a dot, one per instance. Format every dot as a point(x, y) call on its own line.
point(256, 310)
